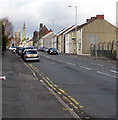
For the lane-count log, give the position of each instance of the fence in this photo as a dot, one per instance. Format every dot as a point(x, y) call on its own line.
point(106, 49)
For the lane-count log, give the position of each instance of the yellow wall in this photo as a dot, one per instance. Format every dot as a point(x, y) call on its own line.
point(103, 30)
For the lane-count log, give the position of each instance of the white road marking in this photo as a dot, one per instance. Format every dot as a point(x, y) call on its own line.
point(85, 68)
point(97, 64)
point(106, 74)
point(113, 71)
point(70, 63)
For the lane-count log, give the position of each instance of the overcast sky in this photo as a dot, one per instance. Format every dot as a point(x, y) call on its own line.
point(34, 12)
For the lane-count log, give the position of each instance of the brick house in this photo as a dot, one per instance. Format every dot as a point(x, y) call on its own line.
point(37, 35)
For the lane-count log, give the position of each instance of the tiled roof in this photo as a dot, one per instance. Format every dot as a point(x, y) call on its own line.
point(64, 30)
point(80, 26)
point(71, 29)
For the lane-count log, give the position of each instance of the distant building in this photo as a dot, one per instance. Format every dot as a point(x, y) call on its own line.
point(11, 41)
point(18, 37)
point(47, 40)
point(37, 35)
point(24, 32)
point(29, 42)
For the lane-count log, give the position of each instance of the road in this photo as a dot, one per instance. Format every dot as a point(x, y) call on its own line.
point(89, 81)
point(24, 96)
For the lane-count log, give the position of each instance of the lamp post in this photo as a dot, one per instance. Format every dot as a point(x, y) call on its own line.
point(75, 13)
point(75, 46)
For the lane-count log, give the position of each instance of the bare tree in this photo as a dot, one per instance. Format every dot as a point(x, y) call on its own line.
point(8, 26)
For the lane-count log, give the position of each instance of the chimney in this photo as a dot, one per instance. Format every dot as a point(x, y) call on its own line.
point(41, 26)
point(92, 18)
point(100, 16)
point(87, 20)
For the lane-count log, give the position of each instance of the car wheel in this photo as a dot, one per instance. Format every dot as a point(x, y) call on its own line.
point(38, 60)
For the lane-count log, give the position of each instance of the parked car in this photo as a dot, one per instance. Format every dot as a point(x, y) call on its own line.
point(23, 51)
point(19, 50)
point(46, 49)
point(12, 48)
point(42, 49)
point(31, 55)
point(52, 51)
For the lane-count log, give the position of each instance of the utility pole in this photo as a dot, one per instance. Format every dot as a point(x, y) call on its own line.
point(75, 42)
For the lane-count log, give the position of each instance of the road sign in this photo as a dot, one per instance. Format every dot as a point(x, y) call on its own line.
point(93, 39)
point(73, 38)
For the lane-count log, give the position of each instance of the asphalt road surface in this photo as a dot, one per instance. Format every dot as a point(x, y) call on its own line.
point(26, 97)
point(90, 81)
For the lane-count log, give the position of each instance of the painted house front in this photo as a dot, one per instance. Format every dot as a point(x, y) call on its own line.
point(46, 41)
point(61, 39)
point(70, 41)
point(54, 41)
point(95, 31)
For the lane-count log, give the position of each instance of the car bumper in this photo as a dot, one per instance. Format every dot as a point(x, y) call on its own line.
point(31, 59)
point(53, 53)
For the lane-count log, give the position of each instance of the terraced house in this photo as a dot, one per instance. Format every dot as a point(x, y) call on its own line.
point(96, 33)
point(61, 39)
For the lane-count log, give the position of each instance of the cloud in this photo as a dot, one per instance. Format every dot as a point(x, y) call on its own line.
point(32, 12)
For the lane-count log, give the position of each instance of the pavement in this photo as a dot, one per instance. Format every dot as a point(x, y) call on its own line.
point(114, 61)
point(23, 96)
point(0, 85)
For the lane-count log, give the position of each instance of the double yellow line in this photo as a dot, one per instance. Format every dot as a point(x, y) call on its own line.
point(61, 93)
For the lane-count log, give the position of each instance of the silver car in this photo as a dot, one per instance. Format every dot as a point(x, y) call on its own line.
point(31, 55)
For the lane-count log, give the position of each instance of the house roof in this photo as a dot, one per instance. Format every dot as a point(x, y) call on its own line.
point(88, 21)
point(71, 29)
point(30, 40)
point(50, 32)
point(64, 30)
point(80, 26)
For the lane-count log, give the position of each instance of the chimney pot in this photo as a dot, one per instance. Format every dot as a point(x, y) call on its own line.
point(41, 26)
point(93, 18)
point(100, 16)
point(87, 20)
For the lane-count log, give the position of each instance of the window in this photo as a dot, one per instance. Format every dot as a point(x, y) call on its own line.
point(79, 46)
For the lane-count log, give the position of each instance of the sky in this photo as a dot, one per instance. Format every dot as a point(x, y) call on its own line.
point(55, 14)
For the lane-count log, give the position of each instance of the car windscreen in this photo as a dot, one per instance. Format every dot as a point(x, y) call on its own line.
point(53, 49)
point(31, 52)
point(20, 48)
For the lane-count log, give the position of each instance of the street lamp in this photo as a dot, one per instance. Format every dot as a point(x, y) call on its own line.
point(75, 46)
point(75, 13)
